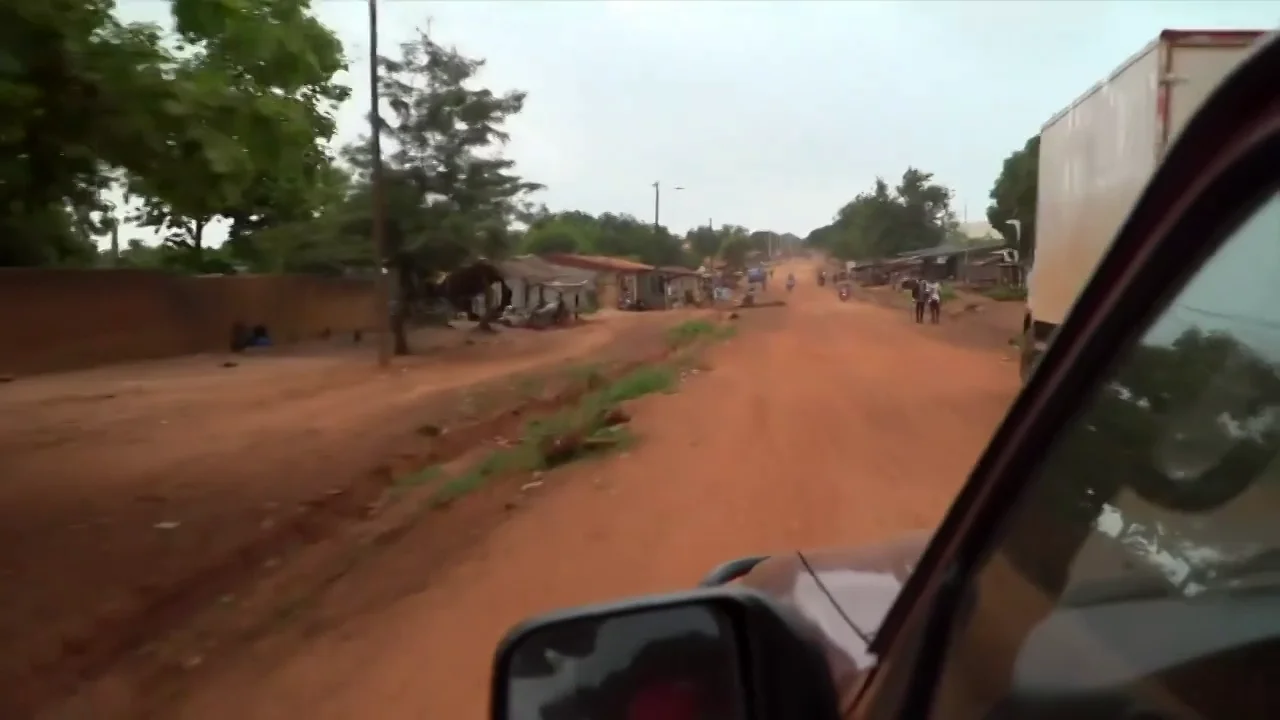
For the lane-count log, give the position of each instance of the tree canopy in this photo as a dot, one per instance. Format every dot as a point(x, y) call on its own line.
point(1013, 197)
point(884, 221)
point(229, 117)
point(607, 234)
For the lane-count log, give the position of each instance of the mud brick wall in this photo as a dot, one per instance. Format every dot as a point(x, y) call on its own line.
point(53, 320)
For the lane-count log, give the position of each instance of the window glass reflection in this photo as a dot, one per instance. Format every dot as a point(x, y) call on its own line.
point(1138, 555)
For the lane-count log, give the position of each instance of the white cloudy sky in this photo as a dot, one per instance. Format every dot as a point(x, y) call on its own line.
point(770, 114)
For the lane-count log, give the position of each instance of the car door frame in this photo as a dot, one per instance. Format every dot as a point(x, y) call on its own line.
point(1222, 165)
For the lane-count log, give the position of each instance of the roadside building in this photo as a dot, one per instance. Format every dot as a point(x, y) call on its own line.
point(616, 278)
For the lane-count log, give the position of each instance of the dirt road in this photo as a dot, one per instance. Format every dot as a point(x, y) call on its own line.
point(821, 423)
point(134, 495)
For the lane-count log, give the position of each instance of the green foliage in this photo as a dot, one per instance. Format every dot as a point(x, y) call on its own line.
point(608, 234)
point(450, 196)
point(231, 120)
point(734, 251)
point(709, 243)
point(1005, 293)
point(140, 256)
point(228, 119)
point(1013, 197)
point(575, 427)
point(691, 332)
point(884, 222)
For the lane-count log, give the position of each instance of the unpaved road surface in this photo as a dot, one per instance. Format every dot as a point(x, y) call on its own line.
point(134, 494)
point(821, 423)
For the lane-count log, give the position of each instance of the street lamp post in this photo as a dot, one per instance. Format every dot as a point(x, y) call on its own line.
point(657, 203)
point(382, 295)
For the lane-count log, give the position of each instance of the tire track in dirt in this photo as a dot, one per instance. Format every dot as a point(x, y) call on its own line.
point(829, 423)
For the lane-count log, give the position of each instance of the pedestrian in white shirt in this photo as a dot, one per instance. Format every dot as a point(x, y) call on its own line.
point(933, 291)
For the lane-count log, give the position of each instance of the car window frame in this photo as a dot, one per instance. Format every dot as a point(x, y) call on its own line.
point(1216, 173)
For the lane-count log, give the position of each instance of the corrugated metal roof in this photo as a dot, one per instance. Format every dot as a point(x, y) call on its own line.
point(534, 269)
point(944, 250)
point(676, 270)
point(598, 262)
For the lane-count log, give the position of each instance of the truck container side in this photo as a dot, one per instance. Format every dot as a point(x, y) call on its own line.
point(1098, 154)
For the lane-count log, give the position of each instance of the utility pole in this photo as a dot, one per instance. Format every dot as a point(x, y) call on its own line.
point(382, 295)
point(657, 203)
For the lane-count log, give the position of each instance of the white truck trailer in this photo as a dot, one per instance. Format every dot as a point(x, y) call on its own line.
point(1098, 154)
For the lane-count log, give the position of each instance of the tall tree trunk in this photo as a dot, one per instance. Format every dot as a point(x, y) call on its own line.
point(400, 312)
point(197, 245)
point(486, 315)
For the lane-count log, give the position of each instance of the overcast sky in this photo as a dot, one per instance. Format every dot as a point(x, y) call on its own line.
point(770, 114)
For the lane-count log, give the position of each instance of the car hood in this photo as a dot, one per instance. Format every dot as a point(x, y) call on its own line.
point(838, 589)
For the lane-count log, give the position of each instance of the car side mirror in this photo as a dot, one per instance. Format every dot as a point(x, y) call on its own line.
point(727, 653)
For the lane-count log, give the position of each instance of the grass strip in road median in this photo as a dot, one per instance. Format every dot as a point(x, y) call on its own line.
point(693, 331)
point(594, 425)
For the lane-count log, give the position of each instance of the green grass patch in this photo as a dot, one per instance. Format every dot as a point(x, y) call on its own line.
point(587, 429)
point(492, 465)
point(1005, 293)
point(946, 292)
point(530, 386)
point(642, 381)
point(419, 478)
point(690, 332)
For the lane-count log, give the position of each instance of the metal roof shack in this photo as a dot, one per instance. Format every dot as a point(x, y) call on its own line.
point(943, 251)
point(537, 271)
point(599, 263)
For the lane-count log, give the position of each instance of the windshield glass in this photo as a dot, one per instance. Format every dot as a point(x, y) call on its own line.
point(1161, 495)
point(1188, 416)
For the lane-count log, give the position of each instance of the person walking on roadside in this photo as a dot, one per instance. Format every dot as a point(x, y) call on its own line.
point(933, 295)
point(918, 295)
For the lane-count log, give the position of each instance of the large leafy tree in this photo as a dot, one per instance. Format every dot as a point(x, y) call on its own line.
point(704, 242)
point(1013, 197)
point(77, 88)
point(245, 135)
point(607, 234)
point(450, 194)
point(230, 120)
point(885, 221)
point(708, 242)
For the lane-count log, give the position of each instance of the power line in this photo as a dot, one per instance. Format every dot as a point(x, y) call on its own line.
point(1261, 322)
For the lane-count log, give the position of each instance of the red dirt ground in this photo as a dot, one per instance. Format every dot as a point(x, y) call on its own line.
point(821, 423)
point(134, 495)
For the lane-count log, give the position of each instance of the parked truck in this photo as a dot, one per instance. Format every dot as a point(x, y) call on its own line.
point(1097, 155)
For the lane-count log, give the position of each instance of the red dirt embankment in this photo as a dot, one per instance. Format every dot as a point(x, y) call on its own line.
point(137, 495)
